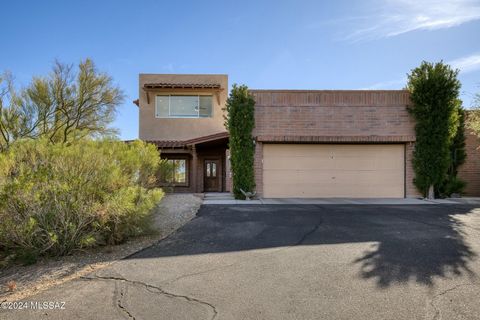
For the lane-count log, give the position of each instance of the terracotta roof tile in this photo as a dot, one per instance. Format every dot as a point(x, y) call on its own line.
point(161, 85)
point(181, 144)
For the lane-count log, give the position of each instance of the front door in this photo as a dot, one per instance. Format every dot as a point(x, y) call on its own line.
point(212, 176)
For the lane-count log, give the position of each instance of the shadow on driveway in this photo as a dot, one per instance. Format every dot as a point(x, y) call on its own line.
point(409, 243)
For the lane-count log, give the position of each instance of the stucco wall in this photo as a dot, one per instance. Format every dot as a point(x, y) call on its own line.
point(152, 128)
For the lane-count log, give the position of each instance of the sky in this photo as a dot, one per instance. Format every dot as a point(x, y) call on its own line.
point(297, 44)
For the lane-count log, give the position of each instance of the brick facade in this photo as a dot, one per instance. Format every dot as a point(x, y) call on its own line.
point(298, 116)
point(470, 170)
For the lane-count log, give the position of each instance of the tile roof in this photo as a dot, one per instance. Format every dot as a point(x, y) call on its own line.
point(194, 141)
point(161, 85)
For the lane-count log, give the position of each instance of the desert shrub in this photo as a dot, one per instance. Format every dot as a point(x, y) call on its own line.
point(55, 198)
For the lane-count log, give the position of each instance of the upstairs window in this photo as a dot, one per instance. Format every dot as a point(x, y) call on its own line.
point(170, 106)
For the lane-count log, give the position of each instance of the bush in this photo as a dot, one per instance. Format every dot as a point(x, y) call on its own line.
point(452, 185)
point(55, 198)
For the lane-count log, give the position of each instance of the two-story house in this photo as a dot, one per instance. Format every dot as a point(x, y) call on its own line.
point(308, 143)
point(183, 116)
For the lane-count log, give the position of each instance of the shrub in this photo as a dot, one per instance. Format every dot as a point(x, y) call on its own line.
point(240, 121)
point(55, 198)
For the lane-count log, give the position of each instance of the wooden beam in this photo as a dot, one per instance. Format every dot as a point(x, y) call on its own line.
point(214, 91)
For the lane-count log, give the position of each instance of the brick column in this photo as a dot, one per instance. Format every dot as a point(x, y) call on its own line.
point(194, 170)
point(258, 168)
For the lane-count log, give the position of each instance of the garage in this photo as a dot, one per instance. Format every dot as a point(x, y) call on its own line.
point(334, 170)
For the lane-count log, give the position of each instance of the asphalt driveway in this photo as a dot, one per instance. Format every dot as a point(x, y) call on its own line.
point(291, 262)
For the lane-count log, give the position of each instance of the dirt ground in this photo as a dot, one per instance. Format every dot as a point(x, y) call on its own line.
point(173, 212)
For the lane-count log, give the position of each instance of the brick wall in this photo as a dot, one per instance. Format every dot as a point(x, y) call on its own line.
point(354, 116)
point(258, 168)
point(333, 113)
point(470, 170)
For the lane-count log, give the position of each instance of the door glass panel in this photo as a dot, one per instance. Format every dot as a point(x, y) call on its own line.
point(208, 169)
point(214, 169)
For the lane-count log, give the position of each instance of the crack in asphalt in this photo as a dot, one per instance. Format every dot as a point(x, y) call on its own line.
point(309, 233)
point(437, 315)
point(121, 306)
point(299, 242)
point(152, 289)
point(159, 290)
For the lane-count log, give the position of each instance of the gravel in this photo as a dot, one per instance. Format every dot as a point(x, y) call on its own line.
point(173, 212)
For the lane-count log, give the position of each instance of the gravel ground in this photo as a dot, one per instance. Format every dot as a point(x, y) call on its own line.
point(173, 212)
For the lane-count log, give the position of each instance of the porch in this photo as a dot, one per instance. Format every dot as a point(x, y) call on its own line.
point(199, 165)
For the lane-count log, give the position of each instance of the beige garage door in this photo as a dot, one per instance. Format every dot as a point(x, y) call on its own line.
point(333, 170)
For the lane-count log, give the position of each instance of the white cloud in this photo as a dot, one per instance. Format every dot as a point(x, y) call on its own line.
point(467, 64)
point(391, 84)
point(396, 17)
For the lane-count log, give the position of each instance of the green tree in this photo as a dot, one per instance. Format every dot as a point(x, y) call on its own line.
point(12, 121)
point(458, 155)
point(473, 119)
point(434, 91)
point(63, 106)
point(239, 121)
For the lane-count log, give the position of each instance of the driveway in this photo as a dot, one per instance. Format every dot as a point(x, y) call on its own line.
point(291, 262)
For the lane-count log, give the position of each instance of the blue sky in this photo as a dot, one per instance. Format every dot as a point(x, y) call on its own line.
point(368, 44)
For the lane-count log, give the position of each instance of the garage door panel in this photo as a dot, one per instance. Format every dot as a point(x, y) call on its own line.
point(313, 190)
point(333, 170)
point(324, 163)
point(286, 163)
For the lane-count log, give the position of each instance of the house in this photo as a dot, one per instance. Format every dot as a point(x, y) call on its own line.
point(308, 143)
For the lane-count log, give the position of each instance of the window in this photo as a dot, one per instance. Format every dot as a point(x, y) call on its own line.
point(175, 172)
point(168, 106)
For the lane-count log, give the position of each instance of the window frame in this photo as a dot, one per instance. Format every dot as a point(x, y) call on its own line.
point(187, 174)
point(183, 95)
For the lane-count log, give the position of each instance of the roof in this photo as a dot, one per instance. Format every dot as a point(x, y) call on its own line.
point(165, 85)
point(184, 143)
point(167, 143)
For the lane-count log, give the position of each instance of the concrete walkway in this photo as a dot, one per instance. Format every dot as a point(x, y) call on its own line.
point(225, 198)
point(290, 201)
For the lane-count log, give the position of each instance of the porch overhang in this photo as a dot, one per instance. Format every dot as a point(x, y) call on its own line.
point(204, 140)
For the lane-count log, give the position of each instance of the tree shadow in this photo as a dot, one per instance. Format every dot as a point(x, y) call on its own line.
point(410, 243)
point(428, 244)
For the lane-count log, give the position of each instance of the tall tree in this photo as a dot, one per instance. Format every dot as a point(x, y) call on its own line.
point(239, 121)
point(473, 119)
point(458, 154)
point(434, 91)
point(63, 105)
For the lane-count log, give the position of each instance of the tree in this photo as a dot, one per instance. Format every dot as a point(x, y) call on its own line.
point(473, 119)
point(434, 92)
point(239, 121)
point(458, 155)
point(12, 121)
point(62, 106)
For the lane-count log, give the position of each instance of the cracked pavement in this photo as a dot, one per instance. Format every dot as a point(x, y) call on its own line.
point(291, 262)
